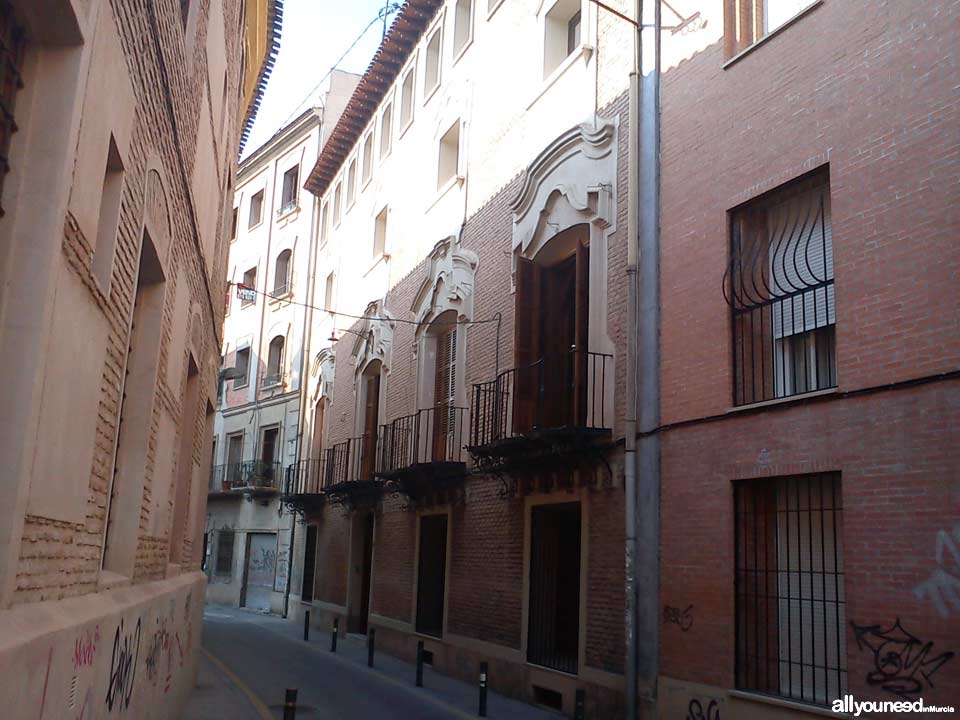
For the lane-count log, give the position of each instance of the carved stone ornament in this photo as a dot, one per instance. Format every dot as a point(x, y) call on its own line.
point(447, 285)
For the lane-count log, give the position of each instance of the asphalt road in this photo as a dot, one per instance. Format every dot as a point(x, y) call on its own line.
point(267, 655)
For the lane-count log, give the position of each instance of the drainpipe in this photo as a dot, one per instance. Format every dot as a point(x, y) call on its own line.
point(630, 419)
point(648, 459)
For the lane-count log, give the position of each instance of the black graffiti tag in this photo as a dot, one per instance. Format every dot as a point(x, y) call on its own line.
point(695, 710)
point(683, 619)
point(123, 667)
point(900, 660)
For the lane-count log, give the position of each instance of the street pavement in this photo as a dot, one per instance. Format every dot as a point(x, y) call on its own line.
point(249, 659)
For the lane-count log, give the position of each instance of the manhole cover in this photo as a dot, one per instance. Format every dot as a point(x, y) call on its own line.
point(303, 711)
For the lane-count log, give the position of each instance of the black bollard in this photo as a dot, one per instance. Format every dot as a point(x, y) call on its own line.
point(482, 711)
point(333, 635)
point(371, 639)
point(306, 626)
point(290, 704)
point(420, 663)
point(579, 711)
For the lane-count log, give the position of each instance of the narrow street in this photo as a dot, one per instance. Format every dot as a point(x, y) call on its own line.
point(262, 655)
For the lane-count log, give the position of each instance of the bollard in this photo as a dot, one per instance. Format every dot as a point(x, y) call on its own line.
point(290, 704)
point(306, 626)
point(371, 639)
point(333, 635)
point(420, 663)
point(482, 711)
point(579, 712)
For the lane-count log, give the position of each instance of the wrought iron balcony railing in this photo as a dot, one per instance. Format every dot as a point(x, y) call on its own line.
point(309, 477)
point(565, 391)
point(354, 460)
point(255, 474)
point(431, 435)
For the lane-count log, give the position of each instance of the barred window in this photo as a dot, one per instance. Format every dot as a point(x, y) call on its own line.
point(779, 285)
point(790, 600)
point(12, 46)
point(224, 553)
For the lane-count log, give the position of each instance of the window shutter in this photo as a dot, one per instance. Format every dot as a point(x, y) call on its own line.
point(525, 344)
point(581, 336)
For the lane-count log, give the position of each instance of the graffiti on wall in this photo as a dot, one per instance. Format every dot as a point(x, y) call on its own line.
point(123, 666)
point(681, 618)
point(902, 663)
point(85, 648)
point(942, 587)
point(695, 710)
point(158, 644)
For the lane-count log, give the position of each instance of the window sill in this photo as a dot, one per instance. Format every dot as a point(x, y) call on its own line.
point(466, 46)
point(456, 180)
point(382, 257)
point(287, 211)
point(253, 227)
point(241, 387)
point(247, 304)
point(783, 400)
point(365, 182)
point(785, 703)
point(427, 96)
point(404, 128)
point(276, 297)
point(773, 33)
point(584, 51)
point(492, 10)
point(108, 580)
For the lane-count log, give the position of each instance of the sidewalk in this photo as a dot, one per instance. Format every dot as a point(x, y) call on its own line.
point(307, 664)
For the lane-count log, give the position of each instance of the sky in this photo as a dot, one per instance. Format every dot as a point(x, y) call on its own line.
point(315, 34)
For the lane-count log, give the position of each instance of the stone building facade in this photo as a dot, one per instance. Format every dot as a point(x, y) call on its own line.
point(460, 475)
point(122, 123)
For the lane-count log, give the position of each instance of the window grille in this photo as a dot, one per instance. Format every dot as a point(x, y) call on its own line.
point(780, 287)
point(12, 46)
point(790, 600)
point(224, 553)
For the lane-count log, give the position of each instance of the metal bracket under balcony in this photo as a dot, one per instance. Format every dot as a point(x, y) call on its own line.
point(422, 455)
point(554, 408)
point(303, 486)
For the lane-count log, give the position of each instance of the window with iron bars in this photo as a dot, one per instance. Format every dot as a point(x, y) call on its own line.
point(790, 602)
point(12, 47)
point(780, 288)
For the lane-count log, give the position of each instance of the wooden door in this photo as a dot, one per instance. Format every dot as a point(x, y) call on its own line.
point(581, 358)
point(371, 419)
point(526, 344)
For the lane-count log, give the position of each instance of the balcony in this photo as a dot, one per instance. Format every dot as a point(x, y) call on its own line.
point(422, 455)
point(548, 410)
point(345, 474)
point(254, 477)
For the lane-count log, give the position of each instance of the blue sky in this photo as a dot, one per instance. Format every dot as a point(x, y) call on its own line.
point(315, 34)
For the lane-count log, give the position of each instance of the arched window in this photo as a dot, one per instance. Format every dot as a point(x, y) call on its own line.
point(281, 274)
point(275, 362)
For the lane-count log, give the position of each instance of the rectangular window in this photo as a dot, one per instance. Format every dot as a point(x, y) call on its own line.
point(747, 21)
point(380, 234)
point(367, 157)
point(109, 218)
point(406, 98)
point(242, 363)
point(781, 291)
point(553, 634)
point(233, 224)
point(256, 210)
point(14, 43)
point(234, 472)
point(324, 223)
point(291, 179)
point(431, 71)
point(462, 26)
point(337, 198)
point(431, 574)
point(225, 542)
point(561, 34)
point(449, 161)
point(386, 130)
point(328, 293)
point(791, 624)
point(250, 281)
point(352, 183)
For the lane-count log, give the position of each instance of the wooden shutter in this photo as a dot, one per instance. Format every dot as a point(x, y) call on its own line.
point(581, 367)
point(444, 393)
point(525, 344)
point(370, 419)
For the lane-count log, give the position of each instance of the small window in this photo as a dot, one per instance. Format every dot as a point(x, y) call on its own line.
point(291, 180)
point(789, 588)
point(328, 293)
point(15, 43)
point(561, 34)
point(367, 157)
point(755, 19)
point(109, 218)
point(352, 183)
point(242, 363)
point(462, 25)
point(406, 99)
point(256, 210)
point(274, 374)
point(225, 542)
point(324, 222)
point(380, 234)
point(431, 71)
point(337, 198)
point(233, 224)
point(250, 281)
point(780, 288)
point(449, 160)
point(386, 130)
point(281, 274)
